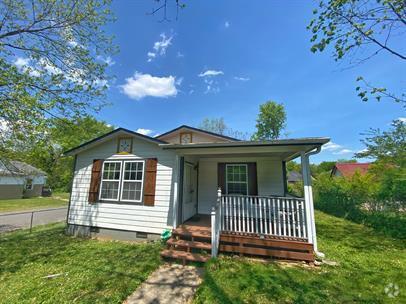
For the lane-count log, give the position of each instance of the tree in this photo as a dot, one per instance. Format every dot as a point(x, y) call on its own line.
point(387, 146)
point(217, 125)
point(53, 57)
point(270, 122)
point(359, 30)
point(63, 135)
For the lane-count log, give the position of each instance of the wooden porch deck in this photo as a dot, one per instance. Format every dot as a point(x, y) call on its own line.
point(194, 235)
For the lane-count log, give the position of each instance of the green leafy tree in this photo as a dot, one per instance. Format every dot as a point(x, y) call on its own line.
point(63, 135)
point(53, 59)
point(270, 122)
point(387, 146)
point(359, 30)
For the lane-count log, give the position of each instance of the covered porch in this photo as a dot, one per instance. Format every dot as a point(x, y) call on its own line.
point(236, 196)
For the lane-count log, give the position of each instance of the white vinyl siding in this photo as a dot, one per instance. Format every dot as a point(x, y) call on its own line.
point(122, 215)
point(269, 178)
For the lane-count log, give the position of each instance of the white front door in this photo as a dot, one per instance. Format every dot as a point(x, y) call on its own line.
point(189, 192)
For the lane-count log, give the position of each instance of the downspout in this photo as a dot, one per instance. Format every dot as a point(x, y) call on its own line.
point(311, 205)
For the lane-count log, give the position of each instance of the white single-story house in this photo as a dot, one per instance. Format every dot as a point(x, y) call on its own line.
point(214, 192)
point(18, 180)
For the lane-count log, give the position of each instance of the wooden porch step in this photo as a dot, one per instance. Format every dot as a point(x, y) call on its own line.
point(195, 232)
point(183, 255)
point(191, 244)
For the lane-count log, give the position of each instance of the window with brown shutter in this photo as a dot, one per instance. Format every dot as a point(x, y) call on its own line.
point(150, 181)
point(95, 180)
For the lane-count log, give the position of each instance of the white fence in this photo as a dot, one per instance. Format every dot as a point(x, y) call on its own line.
point(263, 215)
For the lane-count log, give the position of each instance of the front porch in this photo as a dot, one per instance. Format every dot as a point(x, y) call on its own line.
point(245, 225)
point(234, 199)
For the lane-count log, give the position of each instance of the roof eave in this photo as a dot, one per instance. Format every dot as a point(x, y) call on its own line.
point(72, 151)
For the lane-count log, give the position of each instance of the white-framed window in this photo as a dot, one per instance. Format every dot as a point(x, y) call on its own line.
point(237, 179)
point(110, 180)
point(132, 181)
point(122, 180)
point(28, 184)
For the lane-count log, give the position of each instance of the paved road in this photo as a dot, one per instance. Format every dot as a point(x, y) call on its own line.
point(21, 219)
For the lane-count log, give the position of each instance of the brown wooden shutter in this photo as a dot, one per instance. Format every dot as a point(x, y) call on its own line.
point(150, 181)
point(95, 180)
point(252, 179)
point(221, 177)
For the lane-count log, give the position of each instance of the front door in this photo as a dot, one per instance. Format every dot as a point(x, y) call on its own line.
point(189, 191)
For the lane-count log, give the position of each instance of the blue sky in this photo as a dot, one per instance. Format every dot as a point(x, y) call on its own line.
point(223, 59)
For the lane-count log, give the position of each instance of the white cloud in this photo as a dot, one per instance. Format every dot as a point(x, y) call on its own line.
point(330, 146)
point(241, 78)
point(144, 131)
point(143, 85)
point(179, 81)
point(159, 48)
point(21, 62)
point(151, 56)
point(402, 119)
point(179, 55)
point(210, 73)
point(343, 151)
point(107, 60)
point(227, 24)
point(336, 149)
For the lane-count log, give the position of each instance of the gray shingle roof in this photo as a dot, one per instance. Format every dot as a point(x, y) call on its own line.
point(13, 167)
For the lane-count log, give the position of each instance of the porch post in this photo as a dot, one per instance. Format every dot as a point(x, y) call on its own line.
point(175, 191)
point(308, 195)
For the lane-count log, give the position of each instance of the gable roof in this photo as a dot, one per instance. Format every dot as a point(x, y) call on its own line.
point(294, 176)
point(349, 169)
point(107, 136)
point(13, 167)
point(197, 130)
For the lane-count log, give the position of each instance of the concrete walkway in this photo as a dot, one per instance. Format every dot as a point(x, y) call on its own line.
point(172, 284)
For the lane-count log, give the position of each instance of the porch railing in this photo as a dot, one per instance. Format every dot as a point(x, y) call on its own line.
point(263, 215)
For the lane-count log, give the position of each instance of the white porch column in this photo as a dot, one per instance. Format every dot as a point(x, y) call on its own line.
point(175, 191)
point(308, 195)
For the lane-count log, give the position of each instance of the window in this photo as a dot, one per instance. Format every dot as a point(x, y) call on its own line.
point(110, 183)
point(28, 184)
point(122, 180)
point(132, 181)
point(237, 179)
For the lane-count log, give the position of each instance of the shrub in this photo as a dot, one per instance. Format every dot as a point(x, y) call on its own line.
point(368, 199)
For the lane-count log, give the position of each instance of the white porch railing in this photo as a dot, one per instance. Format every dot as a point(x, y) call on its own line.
point(264, 215)
point(261, 215)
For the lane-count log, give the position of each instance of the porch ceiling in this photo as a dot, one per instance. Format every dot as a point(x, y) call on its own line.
point(285, 149)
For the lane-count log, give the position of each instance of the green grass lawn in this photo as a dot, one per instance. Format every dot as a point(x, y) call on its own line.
point(367, 263)
point(93, 271)
point(57, 200)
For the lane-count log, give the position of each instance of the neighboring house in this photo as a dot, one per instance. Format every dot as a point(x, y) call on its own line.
point(18, 179)
point(348, 169)
point(294, 177)
point(205, 186)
